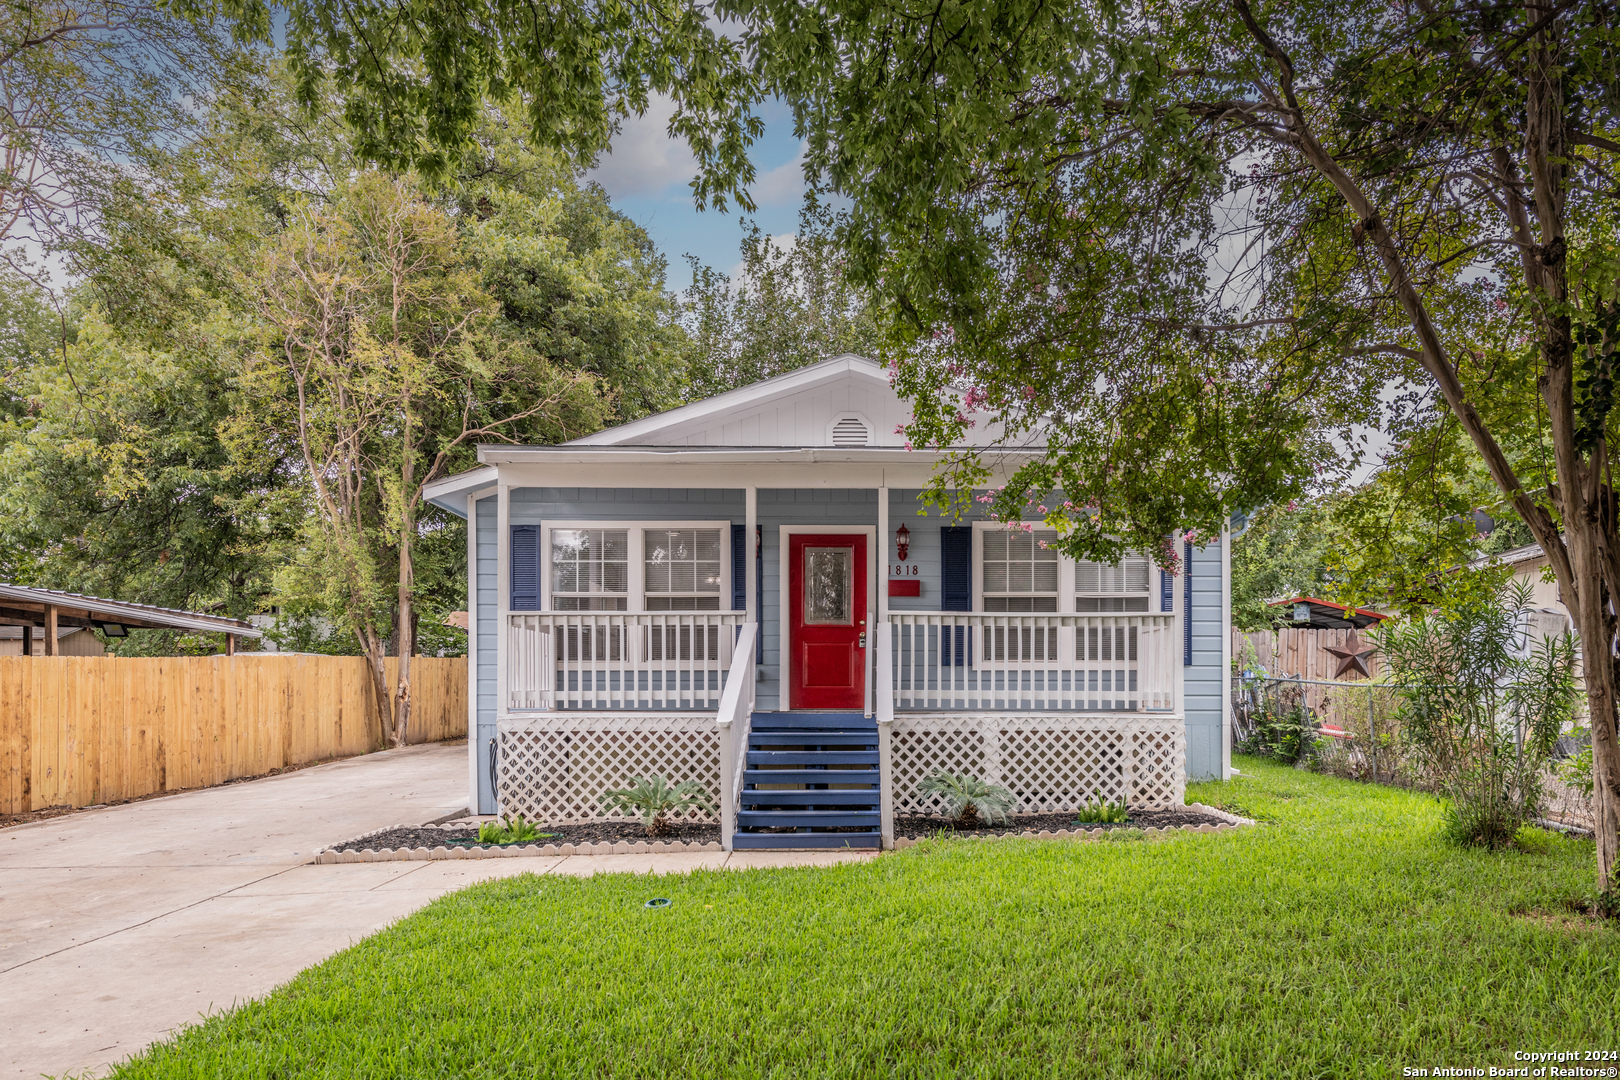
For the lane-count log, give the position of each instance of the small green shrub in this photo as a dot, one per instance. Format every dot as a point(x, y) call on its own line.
point(1103, 812)
point(1481, 706)
point(968, 798)
point(508, 831)
point(654, 800)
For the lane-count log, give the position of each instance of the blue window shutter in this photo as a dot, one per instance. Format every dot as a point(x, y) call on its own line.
point(1186, 614)
point(739, 567)
point(955, 590)
point(525, 568)
point(1167, 591)
point(956, 568)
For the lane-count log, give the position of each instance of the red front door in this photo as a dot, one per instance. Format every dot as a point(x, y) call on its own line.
point(826, 621)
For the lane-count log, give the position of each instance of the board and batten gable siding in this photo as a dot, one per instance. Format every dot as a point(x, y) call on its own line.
point(798, 419)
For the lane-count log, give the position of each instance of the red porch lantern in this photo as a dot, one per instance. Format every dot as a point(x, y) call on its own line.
point(902, 542)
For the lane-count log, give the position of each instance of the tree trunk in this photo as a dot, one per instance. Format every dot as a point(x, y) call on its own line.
point(405, 618)
point(371, 646)
point(406, 630)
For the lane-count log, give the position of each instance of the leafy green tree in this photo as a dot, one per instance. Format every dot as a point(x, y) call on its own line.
point(116, 483)
point(128, 447)
point(790, 306)
point(382, 364)
point(578, 281)
point(91, 92)
point(413, 80)
point(1190, 243)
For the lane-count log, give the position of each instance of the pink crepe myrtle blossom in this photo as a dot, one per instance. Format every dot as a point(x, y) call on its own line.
point(1029, 393)
point(1041, 509)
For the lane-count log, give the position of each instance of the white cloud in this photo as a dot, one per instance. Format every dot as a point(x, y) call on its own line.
point(644, 160)
point(783, 184)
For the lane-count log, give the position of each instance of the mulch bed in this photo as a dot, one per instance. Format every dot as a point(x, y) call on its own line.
point(910, 826)
point(467, 836)
point(917, 826)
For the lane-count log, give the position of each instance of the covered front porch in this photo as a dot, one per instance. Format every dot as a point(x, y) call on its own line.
point(1061, 706)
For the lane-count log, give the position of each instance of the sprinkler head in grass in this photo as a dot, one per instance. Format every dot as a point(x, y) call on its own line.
point(658, 902)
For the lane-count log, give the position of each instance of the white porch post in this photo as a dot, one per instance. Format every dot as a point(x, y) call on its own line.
point(880, 625)
point(751, 560)
point(503, 622)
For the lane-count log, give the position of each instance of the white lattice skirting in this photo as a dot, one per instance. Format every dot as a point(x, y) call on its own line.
point(555, 769)
point(1052, 764)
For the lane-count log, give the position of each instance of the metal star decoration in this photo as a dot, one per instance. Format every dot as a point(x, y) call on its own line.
point(1352, 657)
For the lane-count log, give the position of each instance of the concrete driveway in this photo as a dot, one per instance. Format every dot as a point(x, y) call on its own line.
point(119, 925)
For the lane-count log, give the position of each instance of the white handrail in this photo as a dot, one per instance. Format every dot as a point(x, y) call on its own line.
point(885, 724)
point(734, 721)
point(1068, 662)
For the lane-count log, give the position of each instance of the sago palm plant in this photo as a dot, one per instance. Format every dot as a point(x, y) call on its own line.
point(654, 800)
point(969, 799)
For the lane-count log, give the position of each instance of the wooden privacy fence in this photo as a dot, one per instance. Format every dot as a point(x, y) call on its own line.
point(81, 730)
point(1299, 652)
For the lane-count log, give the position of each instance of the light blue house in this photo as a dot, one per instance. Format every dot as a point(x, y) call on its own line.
point(747, 591)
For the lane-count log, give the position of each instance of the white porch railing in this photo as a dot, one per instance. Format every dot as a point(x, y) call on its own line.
point(571, 660)
point(947, 661)
point(734, 721)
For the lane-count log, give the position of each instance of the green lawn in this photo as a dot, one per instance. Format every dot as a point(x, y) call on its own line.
point(1338, 939)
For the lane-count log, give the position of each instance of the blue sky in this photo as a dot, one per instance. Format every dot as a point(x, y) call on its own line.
point(647, 175)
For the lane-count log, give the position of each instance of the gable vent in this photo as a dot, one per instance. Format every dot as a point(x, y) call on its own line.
point(850, 431)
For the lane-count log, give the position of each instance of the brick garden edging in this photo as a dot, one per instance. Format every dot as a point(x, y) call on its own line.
point(671, 847)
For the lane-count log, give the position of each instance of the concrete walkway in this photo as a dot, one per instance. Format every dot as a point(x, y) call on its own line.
point(119, 925)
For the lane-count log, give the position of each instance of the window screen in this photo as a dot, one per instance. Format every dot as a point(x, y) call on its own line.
point(590, 569)
point(1121, 586)
point(683, 569)
point(1020, 570)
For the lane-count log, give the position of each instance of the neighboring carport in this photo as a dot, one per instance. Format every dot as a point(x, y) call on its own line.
point(22, 605)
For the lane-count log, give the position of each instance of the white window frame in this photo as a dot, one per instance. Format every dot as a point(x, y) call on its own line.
point(1065, 580)
point(636, 599)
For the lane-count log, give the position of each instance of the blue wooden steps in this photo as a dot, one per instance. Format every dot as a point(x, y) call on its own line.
point(810, 781)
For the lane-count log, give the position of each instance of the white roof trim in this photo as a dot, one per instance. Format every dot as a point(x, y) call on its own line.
point(799, 379)
point(450, 493)
point(573, 454)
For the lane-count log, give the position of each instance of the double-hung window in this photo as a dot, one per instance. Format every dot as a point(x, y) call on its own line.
point(1019, 573)
point(590, 569)
point(682, 569)
point(1020, 570)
